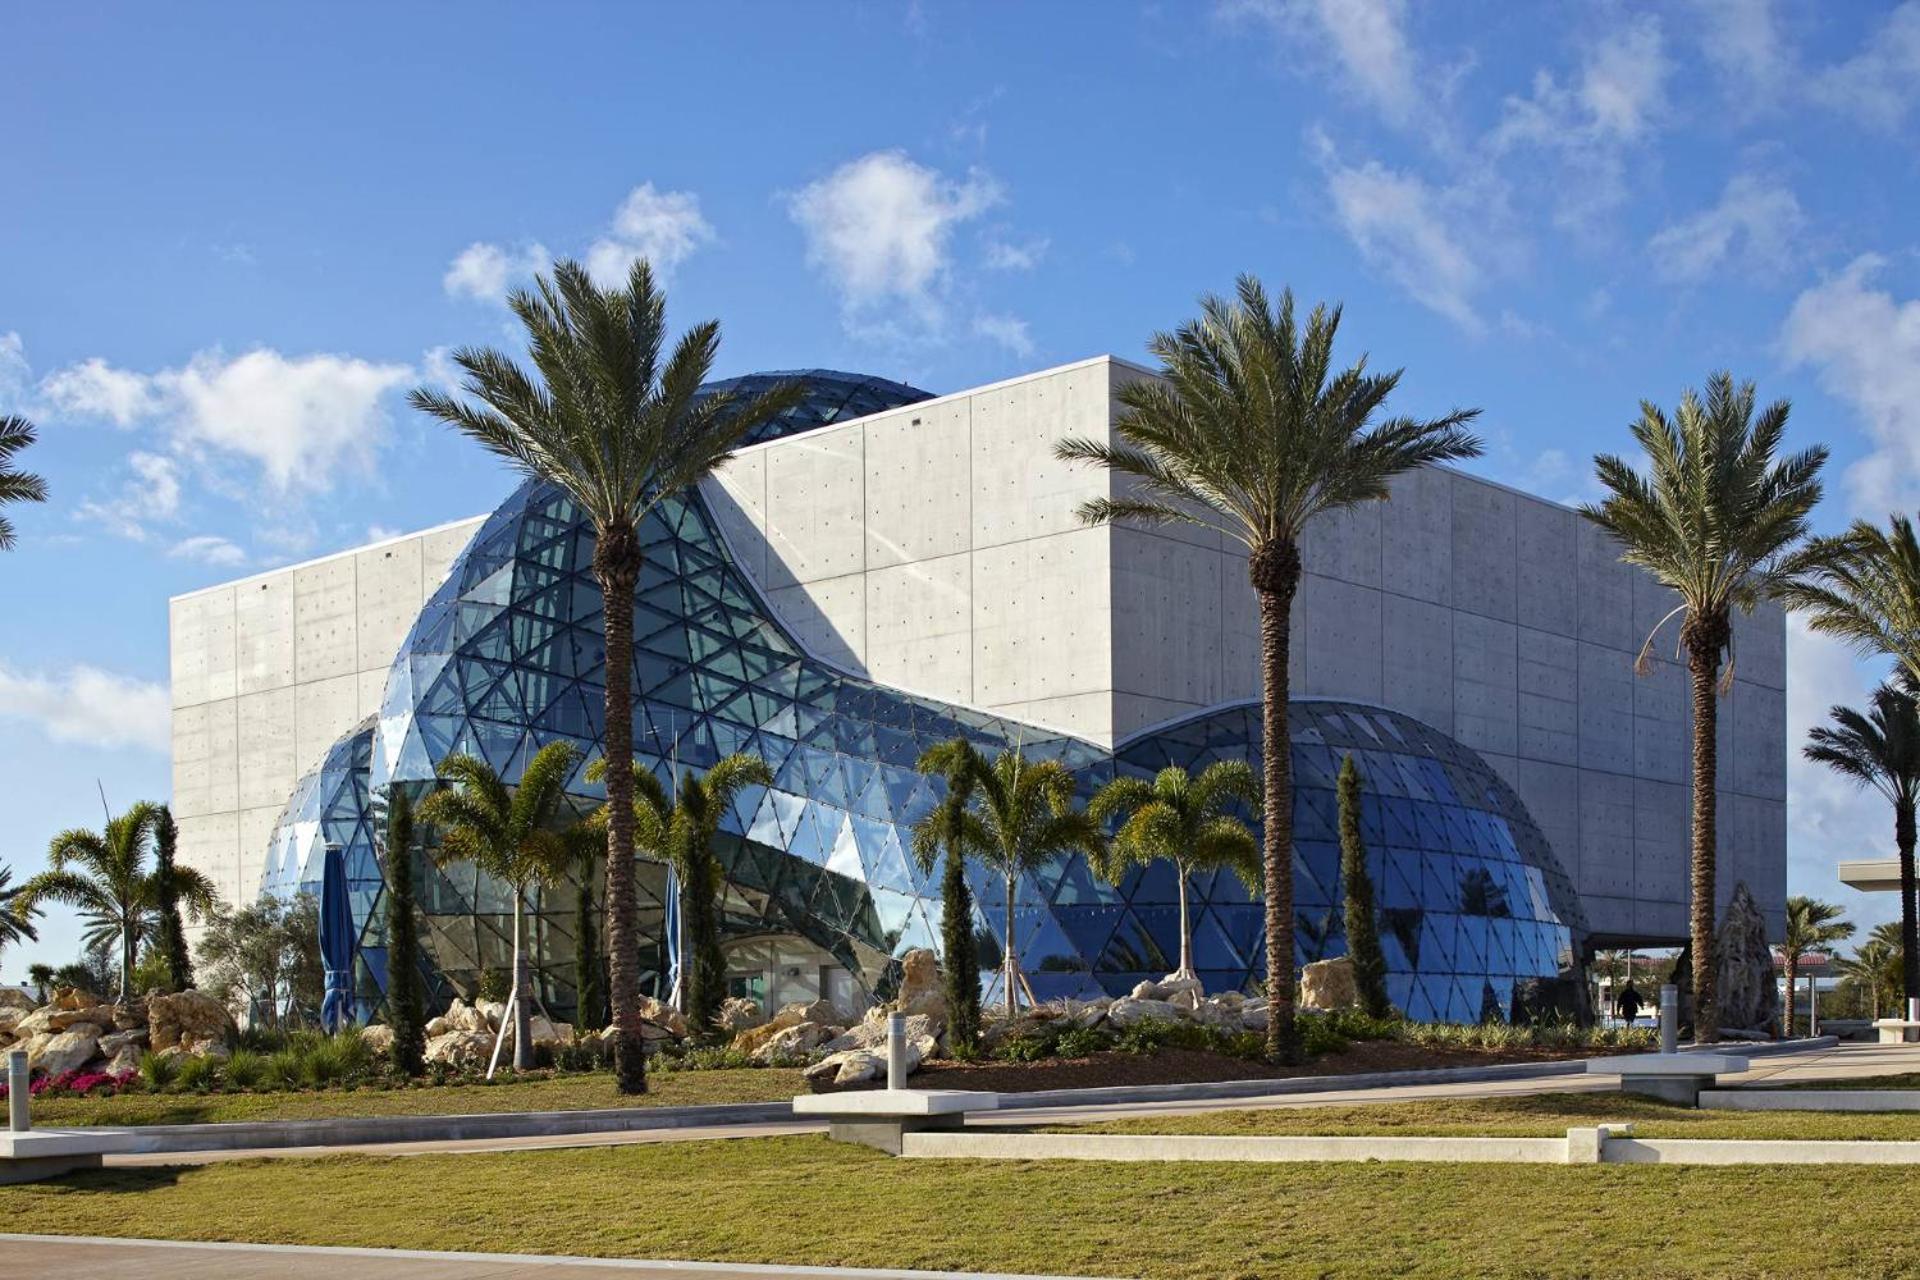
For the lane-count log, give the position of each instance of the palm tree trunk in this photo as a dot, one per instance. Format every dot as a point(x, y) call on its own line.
point(616, 565)
point(1705, 638)
point(1903, 834)
point(126, 962)
point(1274, 570)
point(1012, 962)
point(522, 989)
point(1792, 967)
point(1186, 928)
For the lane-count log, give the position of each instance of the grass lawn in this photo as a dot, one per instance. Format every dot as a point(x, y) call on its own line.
point(1539, 1115)
point(559, 1093)
point(804, 1200)
point(1905, 1080)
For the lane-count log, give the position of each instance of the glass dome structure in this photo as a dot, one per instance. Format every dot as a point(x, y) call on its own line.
point(508, 655)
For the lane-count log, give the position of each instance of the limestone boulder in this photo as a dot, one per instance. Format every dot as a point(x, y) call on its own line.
point(491, 1010)
point(857, 1066)
point(1749, 999)
point(15, 999)
point(660, 1014)
point(461, 1016)
point(921, 991)
point(737, 1014)
point(191, 1020)
point(113, 1043)
point(124, 1062)
point(1132, 1012)
point(752, 1039)
point(796, 1041)
point(39, 1022)
point(378, 1038)
point(873, 1035)
point(461, 1048)
point(73, 998)
point(67, 1050)
point(1086, 1013)
point(436, 1027)
point(101, 1015)
point(544, 1030)
point(1328, 984)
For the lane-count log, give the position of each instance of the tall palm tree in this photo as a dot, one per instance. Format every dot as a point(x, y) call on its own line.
point(1186, 820)
point(948, 834)
point(1812, 925)
point(16, 913)
point(105, 875)
point(620, 431)
point(1863, 587)
point(1881, 749)
point(1721, 522)
point(1252, 432)
point(680, 830)
point(508, 833)
point(16, 433)
point(1876, 964)
point(1027, 820)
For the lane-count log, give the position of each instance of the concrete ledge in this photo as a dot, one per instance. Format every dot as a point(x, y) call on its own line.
point(1896, 1030)
point(38, 1154)
point(1811, 1099)
point(1757, 1151)
point(878, 1103)
point(968, 1145)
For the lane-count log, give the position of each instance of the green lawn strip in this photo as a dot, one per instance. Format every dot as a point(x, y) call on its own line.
point(804, 1200)
point(1540, 1115)
point(559, 1093)
point(1905, 1080)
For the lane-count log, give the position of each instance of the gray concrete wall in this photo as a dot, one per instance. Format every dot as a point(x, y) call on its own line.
point(935, 548)
point(269, 671)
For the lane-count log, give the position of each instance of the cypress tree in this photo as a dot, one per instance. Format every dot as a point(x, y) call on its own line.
point(590, 1013)
point(1363, 933)
point(406, 1001)
point(960, 975)
point(172, 941)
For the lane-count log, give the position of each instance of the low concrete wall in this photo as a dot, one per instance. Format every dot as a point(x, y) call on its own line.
point(1730, 1151)
point(1810, 1099)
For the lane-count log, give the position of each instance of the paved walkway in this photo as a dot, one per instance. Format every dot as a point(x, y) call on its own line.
point(1843, 1061)
point(86, 1257)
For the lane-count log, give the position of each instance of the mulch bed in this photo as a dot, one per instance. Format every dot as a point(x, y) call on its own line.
point(1188, 1066)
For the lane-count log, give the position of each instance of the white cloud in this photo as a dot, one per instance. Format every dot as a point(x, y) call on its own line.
point(1756, 219)
point(88, 706)
point(95, 389)
point(1866, 346)
point(880, 227)
point(1413, 233)
point(487, 271)
point(1009, 331)
point(14, 370)
point(1879, 84)
point(1005, 255)
point(664, 227)
point(1367, 37)
point(150, 495)
point(208, 548)
point(1742, 39)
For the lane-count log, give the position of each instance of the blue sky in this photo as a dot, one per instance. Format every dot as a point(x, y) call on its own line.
point(233, 236)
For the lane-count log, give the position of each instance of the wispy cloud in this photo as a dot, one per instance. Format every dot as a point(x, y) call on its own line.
point(1755, 223)
point(89, 707)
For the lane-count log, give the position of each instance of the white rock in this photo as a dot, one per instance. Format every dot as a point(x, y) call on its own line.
point(1132, 1012)
point(67, 1050)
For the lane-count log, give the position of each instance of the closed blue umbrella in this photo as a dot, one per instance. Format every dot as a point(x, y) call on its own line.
point(336, 941)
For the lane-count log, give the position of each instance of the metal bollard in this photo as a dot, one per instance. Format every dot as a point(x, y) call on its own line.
point(1669, 1018)
point(19, 1097)
point(896, 1051)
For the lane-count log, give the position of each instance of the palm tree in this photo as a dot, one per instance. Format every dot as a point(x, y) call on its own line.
point(1881, 749)
point(620, 432)
point(948, 834)
point(1812, 925)
point(1721, 522)
point(105, 875)
point(507, 832)
point(16, 433)
point(1876, 964)
point(16, 913)
point(1186, 820)
point(1863, 587)
point(1026, 820)
point(40, 974)
point(1252, 433)
point(406, 992)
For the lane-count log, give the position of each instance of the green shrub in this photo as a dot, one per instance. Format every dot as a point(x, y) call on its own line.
point(158, 1072)
point(196, 1073)
point(281, 1069)
point(495, 984)
point(1083, 1042)
point(245, 1069)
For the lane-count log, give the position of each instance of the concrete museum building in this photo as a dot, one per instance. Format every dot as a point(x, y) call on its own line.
point(880, 570)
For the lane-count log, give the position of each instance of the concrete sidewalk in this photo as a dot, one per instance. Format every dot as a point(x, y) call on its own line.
point(92, 1256)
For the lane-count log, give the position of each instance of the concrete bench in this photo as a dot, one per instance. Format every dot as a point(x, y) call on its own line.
point(880, 1118)
point(1897, 1030)
point(34, 1154)
point(1673, 1077)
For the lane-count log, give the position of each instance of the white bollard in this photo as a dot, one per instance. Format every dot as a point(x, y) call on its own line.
point(1669, 1018)
point(896, 1051)
point(1913, 1008)
point(19, 1097)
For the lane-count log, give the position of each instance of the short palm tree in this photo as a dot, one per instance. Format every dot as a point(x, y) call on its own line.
point(1027, 820)
point(105, 875)
point(509, 834)
point(680, 830)
point(947, 835)
point(1721, 522)
point(40, 975)
point(621, 431)
point(16, 913)
point(1252, 432)
point(1863, 587)
point(1189, 822)
point(16, 433)
point(1880, 748)
point(1812, 925)
point(1877, 965)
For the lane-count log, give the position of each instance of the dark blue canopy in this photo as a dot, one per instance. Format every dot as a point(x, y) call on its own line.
point(336, 941)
